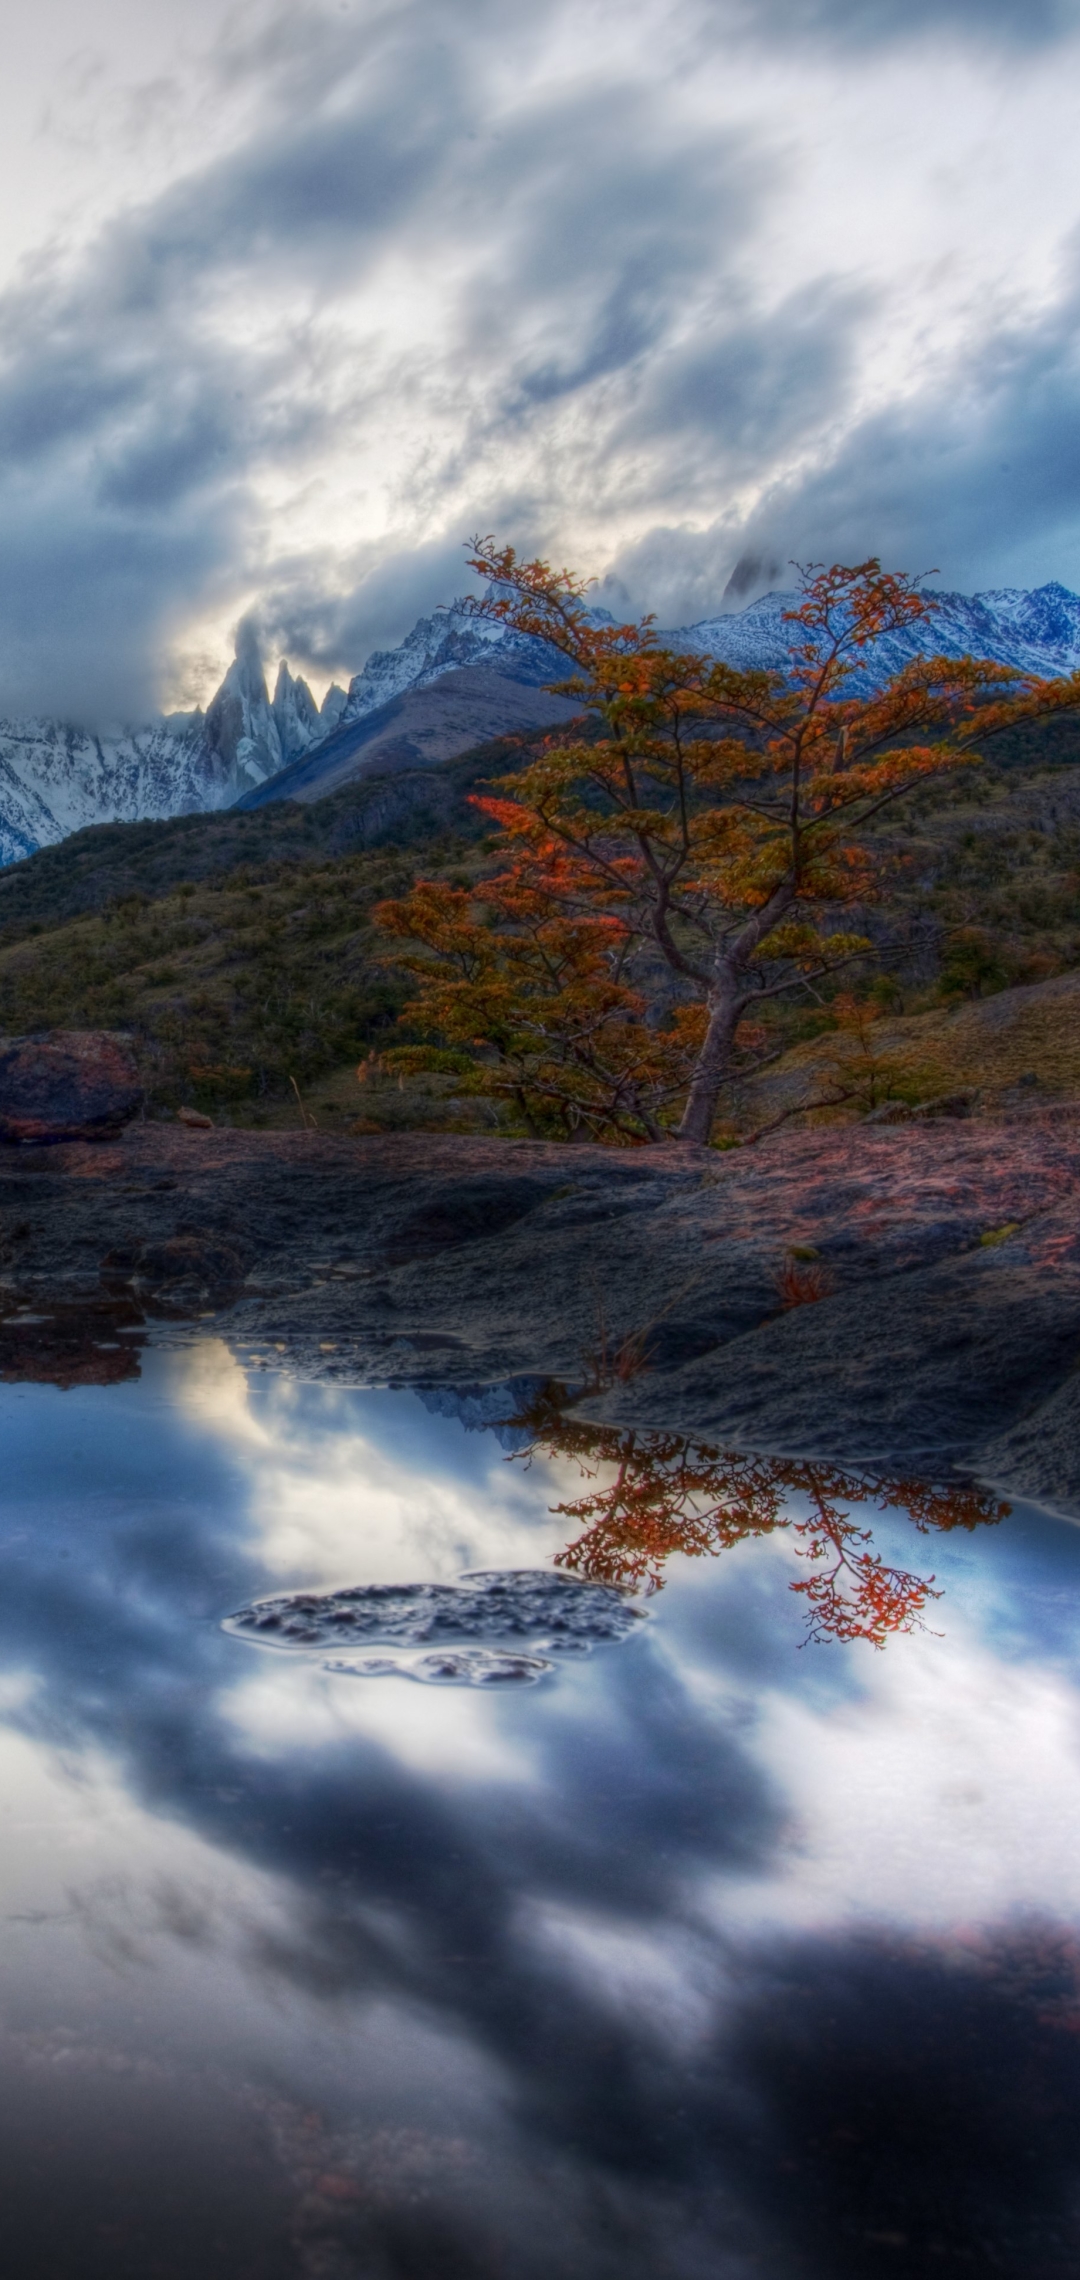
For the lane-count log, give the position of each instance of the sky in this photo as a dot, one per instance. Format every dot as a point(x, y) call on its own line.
point(295, 298)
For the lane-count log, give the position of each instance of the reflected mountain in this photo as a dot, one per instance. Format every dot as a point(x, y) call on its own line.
point(669, 1494)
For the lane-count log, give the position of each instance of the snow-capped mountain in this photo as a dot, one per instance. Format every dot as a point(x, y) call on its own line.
point(457, 681)
point(56, 778)
point(248, 735)
point(1036, 631)
point(447, 643)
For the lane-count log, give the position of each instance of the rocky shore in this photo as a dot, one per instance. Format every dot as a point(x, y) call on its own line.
point(906, 1296)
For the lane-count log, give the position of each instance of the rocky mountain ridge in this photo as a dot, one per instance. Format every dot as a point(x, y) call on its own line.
point(458, 679)
point(57, 777)
point(450, 641)
point(249, 747)
point(1037, 631)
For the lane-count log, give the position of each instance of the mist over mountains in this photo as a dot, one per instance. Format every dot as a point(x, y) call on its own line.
point(454, 682)
point(56, 777)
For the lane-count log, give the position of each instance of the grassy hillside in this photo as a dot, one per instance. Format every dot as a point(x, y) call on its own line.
point(1015, 1047)
point(110, 863)
point(238, 948)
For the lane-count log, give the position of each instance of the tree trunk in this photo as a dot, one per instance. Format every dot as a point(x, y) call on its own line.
point(726, 1001)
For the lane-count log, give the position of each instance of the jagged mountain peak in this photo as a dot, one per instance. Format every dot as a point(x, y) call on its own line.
point(332, 707)
point(250, 736)
point(295, 713)
point(56, 777)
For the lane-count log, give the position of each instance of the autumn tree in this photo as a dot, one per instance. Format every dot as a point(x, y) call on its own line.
point(691, 857)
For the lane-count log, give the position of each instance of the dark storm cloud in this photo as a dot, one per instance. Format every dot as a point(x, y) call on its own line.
point(609, 227)
point(753, 387)
point(324, 187)
point(745, 389)
point(737, 395)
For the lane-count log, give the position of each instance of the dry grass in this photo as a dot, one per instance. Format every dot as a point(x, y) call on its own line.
point(1019, 1044)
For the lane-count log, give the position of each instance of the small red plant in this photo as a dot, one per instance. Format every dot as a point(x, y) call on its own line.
point(802, 1283)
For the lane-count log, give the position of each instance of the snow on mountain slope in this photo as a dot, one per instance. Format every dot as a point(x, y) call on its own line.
point(446, 643)
point(1038, 632)
point(56, 778)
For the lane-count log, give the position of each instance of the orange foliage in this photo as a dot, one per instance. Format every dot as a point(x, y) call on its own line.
point(661, 881)
point(660, 1493)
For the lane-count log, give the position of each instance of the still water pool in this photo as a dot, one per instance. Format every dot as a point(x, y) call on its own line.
point(510, 1926)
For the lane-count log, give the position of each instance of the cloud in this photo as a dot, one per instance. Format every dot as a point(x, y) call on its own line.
point(855, 24)
point(982, 466)
point(144, 392)
point(609, 229)
point(373, 600)
point(431, 272)
point(976, 473)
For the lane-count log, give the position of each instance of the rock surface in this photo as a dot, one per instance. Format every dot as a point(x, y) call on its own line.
point(417, 730)
point(938, 1267)
point(474, 1631)
point(72, 1084)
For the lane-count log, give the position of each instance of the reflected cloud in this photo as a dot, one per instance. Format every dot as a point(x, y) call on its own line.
point(951, 1794)
point(563, 1916)
point(341, 1481)
point(306, 1711)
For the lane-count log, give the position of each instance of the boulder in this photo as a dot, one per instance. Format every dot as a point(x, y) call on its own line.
point(67, 1084)
point(180, 1270)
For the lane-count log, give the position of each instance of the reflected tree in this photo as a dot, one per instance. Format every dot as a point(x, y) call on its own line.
point(657, 1493)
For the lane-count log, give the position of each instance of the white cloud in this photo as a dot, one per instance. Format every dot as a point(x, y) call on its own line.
point(947, 1792)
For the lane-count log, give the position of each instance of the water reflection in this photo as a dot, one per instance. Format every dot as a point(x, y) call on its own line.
point(667, 1494)
point(713, 1959)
